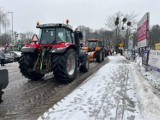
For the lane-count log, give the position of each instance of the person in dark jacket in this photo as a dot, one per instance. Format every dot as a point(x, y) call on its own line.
point(2, 57)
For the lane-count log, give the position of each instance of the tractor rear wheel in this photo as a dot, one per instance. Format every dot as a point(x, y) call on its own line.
point(99, 56)
point(103, 55)
point(65, 66)
point(26, 64)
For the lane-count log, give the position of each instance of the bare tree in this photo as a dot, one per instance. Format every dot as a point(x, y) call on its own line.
point(104, 35)
point(110, 21)
point(87, 32)
point(101, 34)
point(5, 39)
point(26, 37)
point(154, 36)
point(122, 25)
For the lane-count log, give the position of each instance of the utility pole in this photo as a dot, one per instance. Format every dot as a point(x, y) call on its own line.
point(12, 21)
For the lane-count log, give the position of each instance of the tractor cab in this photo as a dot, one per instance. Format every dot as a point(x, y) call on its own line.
point(57, 50)
point(59, 35)
point(94, 44)
point(55, 33)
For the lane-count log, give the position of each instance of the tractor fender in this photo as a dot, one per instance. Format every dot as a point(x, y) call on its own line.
point(29, 50)
point(4, 78)
point(58, 50)
point(98, 49)
point(62, 49)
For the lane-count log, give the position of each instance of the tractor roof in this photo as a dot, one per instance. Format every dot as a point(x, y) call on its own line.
point(51, 25)
point(93, 40)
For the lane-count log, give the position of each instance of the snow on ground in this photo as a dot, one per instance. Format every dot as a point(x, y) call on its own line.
point(109, 94)
point(146, 82)
point(152, 77)
point(10, 66)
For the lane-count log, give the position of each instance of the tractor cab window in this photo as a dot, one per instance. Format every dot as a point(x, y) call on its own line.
point(69, 39)
point(92, 44)
point(60, 35)
point(47, 36)
point(55, 35)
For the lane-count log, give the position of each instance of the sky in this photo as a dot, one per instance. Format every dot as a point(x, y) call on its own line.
point(90, 13)
point(117, 91)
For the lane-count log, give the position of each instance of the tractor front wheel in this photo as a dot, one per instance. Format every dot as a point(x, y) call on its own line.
point(99, 56)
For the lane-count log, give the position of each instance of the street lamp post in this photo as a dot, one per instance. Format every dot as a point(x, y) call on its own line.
point(12, 21)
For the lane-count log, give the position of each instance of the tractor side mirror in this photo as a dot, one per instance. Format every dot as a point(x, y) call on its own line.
point(80, 35)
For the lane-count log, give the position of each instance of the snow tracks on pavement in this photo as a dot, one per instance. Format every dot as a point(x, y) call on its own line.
point(109, 94)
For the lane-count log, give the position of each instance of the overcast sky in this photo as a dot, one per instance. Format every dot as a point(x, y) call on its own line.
point(91, 13)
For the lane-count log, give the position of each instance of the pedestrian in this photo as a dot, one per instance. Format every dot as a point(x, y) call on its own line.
point(2, 57)
point(133, 55)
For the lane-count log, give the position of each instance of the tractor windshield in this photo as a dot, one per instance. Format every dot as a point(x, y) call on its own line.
point(52, 35)
point(92, 44)
point(47, 36)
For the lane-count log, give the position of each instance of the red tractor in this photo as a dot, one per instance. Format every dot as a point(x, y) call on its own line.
point(57, 50)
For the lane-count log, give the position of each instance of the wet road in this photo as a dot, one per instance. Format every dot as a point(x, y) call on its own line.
point(27, 100)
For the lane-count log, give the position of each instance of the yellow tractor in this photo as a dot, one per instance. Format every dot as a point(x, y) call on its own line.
point(95, 49)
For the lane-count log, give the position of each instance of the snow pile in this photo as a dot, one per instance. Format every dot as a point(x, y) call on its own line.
point(148, 101)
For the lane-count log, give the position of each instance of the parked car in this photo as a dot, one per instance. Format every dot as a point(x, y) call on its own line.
point(16, 54)
point(9, 58)
point(12, 56)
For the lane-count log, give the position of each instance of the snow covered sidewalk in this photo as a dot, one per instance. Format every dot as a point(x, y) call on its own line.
point(109, 94)
point(149, 102)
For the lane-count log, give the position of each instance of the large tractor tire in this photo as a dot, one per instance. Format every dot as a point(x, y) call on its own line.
point(99, 57)
point(84, 67)
point(103, 55)
point(65, 66)
point(26, 64)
